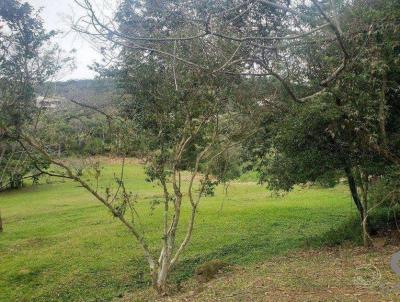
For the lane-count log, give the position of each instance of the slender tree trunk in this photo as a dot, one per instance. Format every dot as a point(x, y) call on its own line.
point(1, 223)
point(363, 180)
point(366, 237)
point(360, 204)
point(161, 276)
point(382, 114)
point(161, 273)
point(354, 193)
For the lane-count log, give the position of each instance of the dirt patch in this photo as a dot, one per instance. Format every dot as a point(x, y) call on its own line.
point(334, 274)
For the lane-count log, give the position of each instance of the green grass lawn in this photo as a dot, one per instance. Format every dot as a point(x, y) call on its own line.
point(59, 244)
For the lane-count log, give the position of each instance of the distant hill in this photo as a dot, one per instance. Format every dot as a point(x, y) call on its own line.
point(94, 92)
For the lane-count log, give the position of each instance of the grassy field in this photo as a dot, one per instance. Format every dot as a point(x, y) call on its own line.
point(59, 244)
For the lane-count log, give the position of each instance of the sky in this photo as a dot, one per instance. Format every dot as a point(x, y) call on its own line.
point(55, 14)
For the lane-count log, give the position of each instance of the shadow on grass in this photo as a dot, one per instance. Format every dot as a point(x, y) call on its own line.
point(349, 231)
point(186, 267)
point(250, 250)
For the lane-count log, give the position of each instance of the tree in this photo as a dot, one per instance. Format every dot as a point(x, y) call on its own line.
point(336, 54)
point(1, 224)
point(262, 35)
point(306, 143)
point(187, 129)
point(351, 128)
point(308, 47)
point(189, 119)
point(15, 165)
point(366, 93)
point(27, 60)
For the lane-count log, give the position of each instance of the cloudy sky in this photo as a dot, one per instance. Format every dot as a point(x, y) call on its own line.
point(56, 15)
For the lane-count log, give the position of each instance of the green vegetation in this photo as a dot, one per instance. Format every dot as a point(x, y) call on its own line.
point(296, 94)
point(59, 244)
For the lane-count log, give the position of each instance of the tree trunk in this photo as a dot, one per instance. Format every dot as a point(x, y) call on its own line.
point(161, 273)
point(363, 180)
point(354, 193)
point(361, 206)
point(162, 278)
point(382, 114)
point(1, 224)
point(366, 238)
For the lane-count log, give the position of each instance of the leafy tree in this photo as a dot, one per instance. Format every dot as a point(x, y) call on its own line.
point(311, 48)
point(187, 128)
point(351, 127)
point(189, 118)
point(27, 60)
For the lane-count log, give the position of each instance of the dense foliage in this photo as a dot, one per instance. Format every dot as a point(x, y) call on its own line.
point(351, 128)
point(27, 60)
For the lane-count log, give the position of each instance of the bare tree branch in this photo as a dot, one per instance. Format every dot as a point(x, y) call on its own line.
point(141, 240)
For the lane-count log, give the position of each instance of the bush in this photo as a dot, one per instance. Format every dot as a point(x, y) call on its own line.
point(385, 192)
point(384, 219)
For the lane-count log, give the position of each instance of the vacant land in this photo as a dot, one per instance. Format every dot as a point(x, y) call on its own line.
point(328, 274)
point(60, 244)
